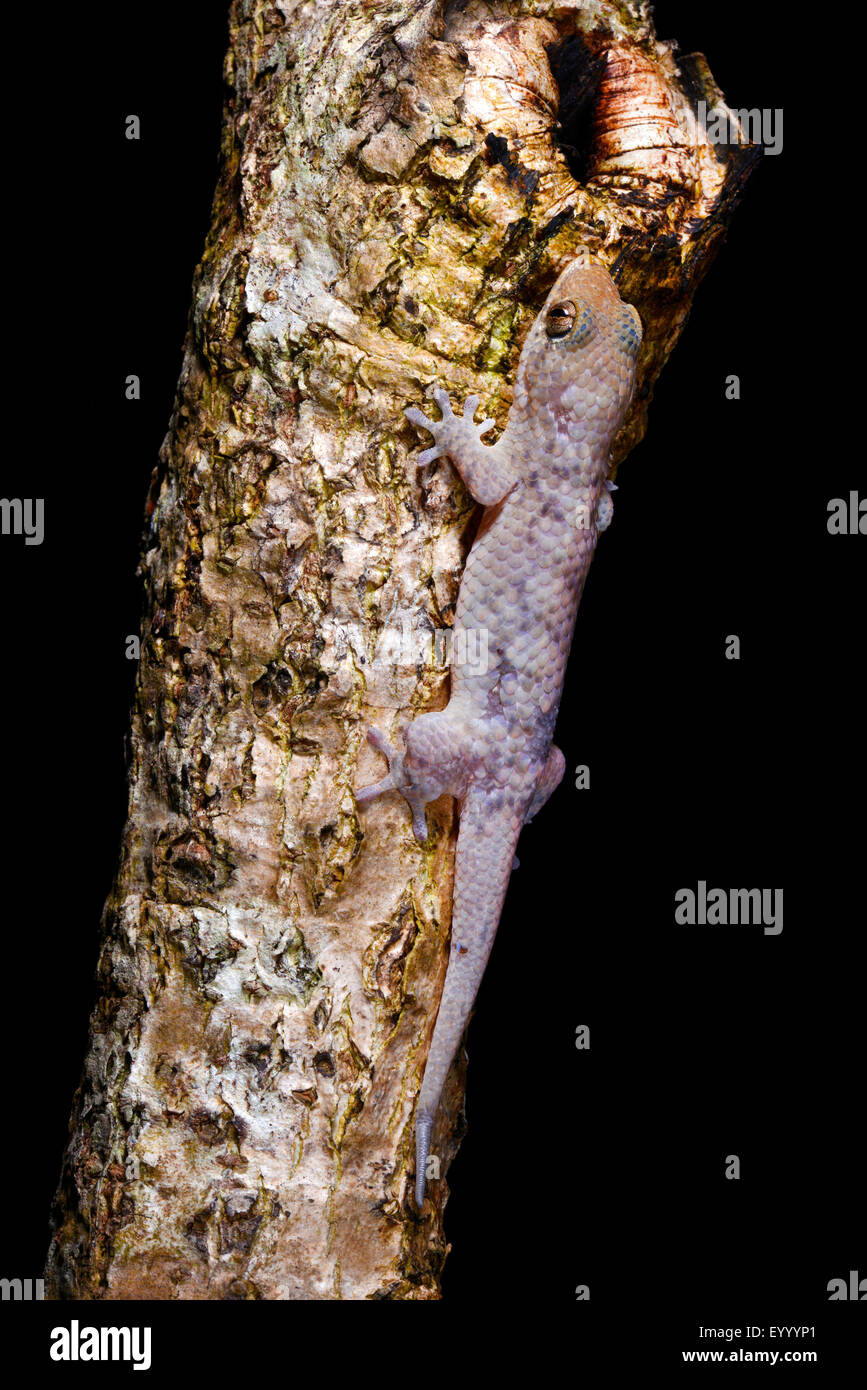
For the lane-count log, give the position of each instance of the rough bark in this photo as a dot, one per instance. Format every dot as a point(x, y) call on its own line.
point(393, 203)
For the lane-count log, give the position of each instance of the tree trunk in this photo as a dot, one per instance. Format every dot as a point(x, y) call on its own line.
point(397, 193)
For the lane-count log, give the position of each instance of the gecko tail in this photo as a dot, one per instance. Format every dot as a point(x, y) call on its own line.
point(490, 825)
point(423, 1127)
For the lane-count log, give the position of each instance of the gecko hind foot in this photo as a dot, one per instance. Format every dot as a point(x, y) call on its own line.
point(394, 780)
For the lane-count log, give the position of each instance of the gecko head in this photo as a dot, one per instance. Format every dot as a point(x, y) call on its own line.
point(584, 327)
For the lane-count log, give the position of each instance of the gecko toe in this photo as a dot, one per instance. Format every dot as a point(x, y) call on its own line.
point(417, 417)
point(419, 822)
point(365, 795)
point(380, 742)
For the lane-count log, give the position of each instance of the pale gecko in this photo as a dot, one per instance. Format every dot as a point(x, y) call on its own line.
point(544, 485)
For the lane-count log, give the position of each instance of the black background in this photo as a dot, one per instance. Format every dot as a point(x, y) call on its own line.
point(603, 1167)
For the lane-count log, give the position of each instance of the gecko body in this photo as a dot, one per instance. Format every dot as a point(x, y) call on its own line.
point(545, 491)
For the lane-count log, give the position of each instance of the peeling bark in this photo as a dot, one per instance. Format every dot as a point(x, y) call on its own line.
point(395, 198)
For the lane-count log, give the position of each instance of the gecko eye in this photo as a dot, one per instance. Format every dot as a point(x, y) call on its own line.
point(560, 318)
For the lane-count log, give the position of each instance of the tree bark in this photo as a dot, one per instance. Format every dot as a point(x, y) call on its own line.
point(395, 199)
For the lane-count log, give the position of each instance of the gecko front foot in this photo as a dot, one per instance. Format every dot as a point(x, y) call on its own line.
point(485, 468)
point(454, 434)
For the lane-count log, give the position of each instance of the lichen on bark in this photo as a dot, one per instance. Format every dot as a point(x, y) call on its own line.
point(395, 198)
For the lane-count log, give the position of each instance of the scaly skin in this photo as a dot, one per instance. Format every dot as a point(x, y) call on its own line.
point(544, 488)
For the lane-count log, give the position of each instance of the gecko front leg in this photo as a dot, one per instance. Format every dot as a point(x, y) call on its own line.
point(483, 467)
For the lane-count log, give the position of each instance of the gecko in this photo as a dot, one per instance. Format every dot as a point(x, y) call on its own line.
point(546, 494)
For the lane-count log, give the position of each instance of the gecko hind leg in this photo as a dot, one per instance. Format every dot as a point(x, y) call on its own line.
point(549, 781)
point(432, 762)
